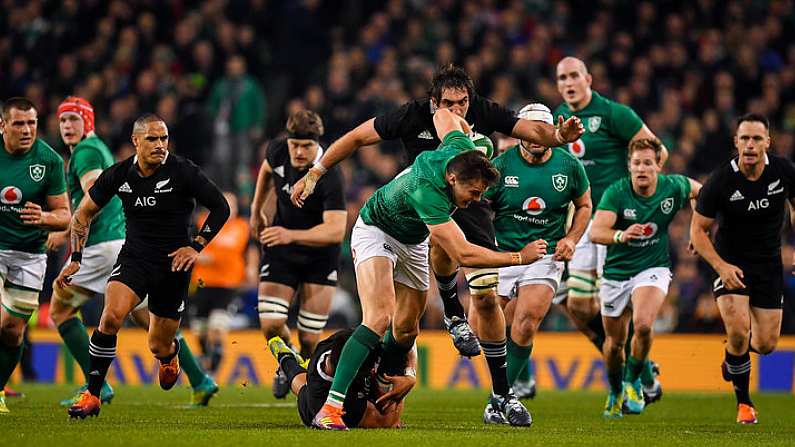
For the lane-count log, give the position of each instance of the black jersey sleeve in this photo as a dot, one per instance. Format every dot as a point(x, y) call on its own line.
point(497, 117)
point(210, 197)
point(400, 122)
point(107, 184)
point(709, 198)
point(332, 190)
point(275, 152)
point(789, 176)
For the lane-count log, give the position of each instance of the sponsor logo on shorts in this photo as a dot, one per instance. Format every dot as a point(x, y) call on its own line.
point(181, 306)
point(667, 205)
point(37, 172)
point(559, 181)
point(717, 285)
point(511, 181)
point(264, 270)
point(388, 248)
point(11, 195)
point(534, 206)
point(332, 276)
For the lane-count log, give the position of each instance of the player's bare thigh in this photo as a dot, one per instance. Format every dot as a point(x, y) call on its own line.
point(646, 304)
point(120, 300)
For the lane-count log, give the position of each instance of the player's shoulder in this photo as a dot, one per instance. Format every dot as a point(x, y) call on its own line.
point(91, 144)
point(562, 110)
point(45, 152)
point(277, 148)
point(181, 164)
point(780, 163)
point(505, 158)
point(621, 187)
point(564, 155)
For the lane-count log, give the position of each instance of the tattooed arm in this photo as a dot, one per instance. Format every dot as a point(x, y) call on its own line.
point(81, 222)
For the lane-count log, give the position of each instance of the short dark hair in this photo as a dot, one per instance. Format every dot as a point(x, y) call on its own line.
point(143, 120)
point(754, 117)
point(646, 143)
point(17, 102)
point(473, 165)
point(305, 124)
point(450, 76)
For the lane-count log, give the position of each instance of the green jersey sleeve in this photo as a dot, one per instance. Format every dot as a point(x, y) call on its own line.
point(581, 182)
point(611, 199)
point(431, 205)
point(86, 160)
point(683, 186)
point(625, 121)
point(56, 181)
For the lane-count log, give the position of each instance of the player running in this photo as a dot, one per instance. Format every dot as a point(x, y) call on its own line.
point(300, 250)
point(89, 157)
point(390, 246)
point(609, 129)
point(531, 202)
point(33, 201)
point(363, 407)
point(748, 197)
point(632, 221)
point(452, 89)
point(158, 191)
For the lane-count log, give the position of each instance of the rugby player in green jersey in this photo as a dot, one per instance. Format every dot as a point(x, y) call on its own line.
point(602, 148)
point(33, 201)
point(632, 220)
point(531, 202)
point(90, 156)
point(390, 251)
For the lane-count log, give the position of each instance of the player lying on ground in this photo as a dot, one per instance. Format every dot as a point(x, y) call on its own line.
point(748, 196)
point(89, 157)
point(159, 192)
point(531, 202)
point(365, 405)
point(632, 219)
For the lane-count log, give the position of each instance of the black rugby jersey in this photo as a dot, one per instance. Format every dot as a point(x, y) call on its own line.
point(750, 214)
point(158, 208)
point(329, 195)
point(412, 123)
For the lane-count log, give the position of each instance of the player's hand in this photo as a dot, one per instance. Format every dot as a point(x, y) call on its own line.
point(272, 236)
point(56, 239)
point(258, 223)
point(401, 386)
point(731, 276)
point(32, 214)
point(65, 277)
point(534, 251)
point(692, 249)
point(184, 258)
point(564, 249)
point(634, 232)
point(571, 129)
point(305, 187)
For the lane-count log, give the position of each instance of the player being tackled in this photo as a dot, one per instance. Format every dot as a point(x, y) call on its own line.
point(632, 219)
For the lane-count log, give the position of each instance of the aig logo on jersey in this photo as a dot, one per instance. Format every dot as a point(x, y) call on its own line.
point(559, 182)
point(667, 205)
point(145, 201)
point(11, 195)
point(577, 148)
point(534, 206)
point(37, 172)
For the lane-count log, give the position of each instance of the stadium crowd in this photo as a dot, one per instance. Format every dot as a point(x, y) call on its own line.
point(226, 74)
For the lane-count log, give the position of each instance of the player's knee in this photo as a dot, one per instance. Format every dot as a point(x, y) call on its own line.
point(767, 346)
point(405, 335)
point(581, 308)
point(59, 310)
point(11, 335)
point(311, 323)
point(377, 322)
point(110, 323)
point(643, 330)
point(272, 311)
point(483, 284)
point(526, 325)
point(613, 346)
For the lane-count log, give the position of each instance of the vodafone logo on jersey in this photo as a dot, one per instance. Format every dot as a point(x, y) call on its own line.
point(534, 206)
point(577, 148)
point(649, 230)
point(11, 195)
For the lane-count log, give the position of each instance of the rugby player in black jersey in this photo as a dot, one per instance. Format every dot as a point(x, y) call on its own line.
point(748, 197)
point(159, 192)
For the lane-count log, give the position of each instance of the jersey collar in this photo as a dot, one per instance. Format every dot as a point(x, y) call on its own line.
point(736, 168)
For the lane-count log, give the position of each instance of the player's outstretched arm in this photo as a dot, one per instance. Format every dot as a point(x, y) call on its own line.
point(330, 232)
point(363, 135)
point(602, 231)
point(450, 237)
point(695, 188)
point(262, 189)
point(445, 121)
point(56, 219)
point(547, 135)
point(646, 133)
point(564, 249)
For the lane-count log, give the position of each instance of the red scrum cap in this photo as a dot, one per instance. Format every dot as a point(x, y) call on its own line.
point(81, 108)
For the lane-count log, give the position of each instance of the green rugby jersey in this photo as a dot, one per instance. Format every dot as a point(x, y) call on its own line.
point(656, 212)
point(29, 177)
point(609, 126)
point(88, 155)
point(531, 201)
point(418, 196)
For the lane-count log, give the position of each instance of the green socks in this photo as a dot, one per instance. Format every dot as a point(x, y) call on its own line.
point(9, 358)
point(632, 369)
point(518, 361)
point(188, 362)
point(354, 353)
point(75, 337)
point(646, 374)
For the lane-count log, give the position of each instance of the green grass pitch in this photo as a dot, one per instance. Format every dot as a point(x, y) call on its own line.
point(242, 416)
